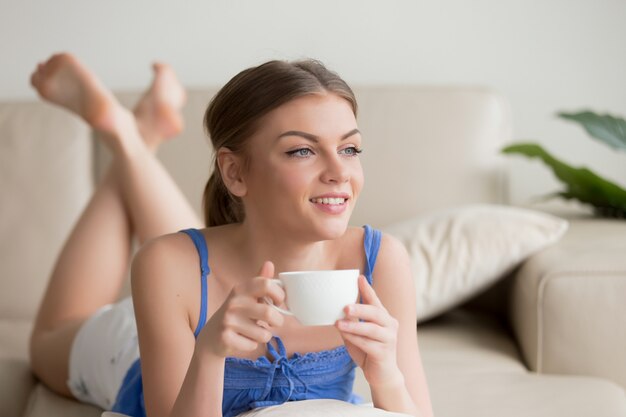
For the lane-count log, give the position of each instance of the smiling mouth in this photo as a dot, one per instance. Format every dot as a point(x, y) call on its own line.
point(329, 201)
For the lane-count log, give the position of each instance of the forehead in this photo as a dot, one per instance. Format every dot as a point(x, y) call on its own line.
point(324, 115)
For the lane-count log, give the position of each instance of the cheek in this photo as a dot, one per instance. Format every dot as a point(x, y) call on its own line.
point(281, 180)
point(358, 179)
point(295, 181)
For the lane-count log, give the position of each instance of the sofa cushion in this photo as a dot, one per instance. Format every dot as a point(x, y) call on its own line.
point(16, 383)
point(458, 252)
point(461, 340)
point(474, 369)
point(46, 174)
point(497, 394)
point(428, 148)
point(45, 403)
point(468, 341)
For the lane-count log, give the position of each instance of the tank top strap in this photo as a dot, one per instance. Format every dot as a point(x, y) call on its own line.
point(371, 243)
point(200, 243)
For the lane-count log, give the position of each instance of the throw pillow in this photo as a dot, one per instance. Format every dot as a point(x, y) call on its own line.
point(459, 252)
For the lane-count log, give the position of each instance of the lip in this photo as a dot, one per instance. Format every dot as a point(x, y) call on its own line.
point(332, 195)
point(332, 208)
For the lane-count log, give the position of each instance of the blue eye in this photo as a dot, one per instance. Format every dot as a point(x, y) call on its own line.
point(352, 151)
point(300, 153)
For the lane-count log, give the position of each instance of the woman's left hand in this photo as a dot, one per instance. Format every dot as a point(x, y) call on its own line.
point(372, 342)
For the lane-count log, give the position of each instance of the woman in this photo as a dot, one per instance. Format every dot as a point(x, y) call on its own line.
point(286, 178)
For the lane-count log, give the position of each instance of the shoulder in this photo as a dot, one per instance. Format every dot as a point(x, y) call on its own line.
point(164, 251)
point(166, 267)
point(392, 276)
point(391, 248)
point(392, 257)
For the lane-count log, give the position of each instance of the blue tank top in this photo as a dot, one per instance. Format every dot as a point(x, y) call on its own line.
point(251, 384)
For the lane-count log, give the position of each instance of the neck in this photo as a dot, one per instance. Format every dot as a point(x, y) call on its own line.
point(288, 253)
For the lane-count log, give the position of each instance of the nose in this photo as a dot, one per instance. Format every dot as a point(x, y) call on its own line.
point(335, 170)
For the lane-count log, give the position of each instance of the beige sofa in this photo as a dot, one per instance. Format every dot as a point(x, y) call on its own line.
point(548, 340)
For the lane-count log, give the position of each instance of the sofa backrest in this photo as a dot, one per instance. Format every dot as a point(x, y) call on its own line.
point(425, 148)
point(46, 178)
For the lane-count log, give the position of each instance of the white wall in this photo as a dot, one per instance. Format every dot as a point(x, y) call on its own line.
point(542, 55)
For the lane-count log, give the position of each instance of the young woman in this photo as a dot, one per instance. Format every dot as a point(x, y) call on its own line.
point(285, 181)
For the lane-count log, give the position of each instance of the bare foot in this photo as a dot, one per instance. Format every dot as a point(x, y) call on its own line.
point(158, 111)
point(65, 81)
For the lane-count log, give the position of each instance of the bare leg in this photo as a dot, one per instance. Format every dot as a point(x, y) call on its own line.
point(93, 263)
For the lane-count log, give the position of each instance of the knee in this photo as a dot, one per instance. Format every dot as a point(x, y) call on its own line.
point(49, 355)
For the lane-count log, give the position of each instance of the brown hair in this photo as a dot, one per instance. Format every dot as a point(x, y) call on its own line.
point(234, 113)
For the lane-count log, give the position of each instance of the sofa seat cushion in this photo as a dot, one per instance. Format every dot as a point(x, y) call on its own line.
point(45, 403)
point(474, 369)
point(510, 394)
point(469, 342)
point(16, 383)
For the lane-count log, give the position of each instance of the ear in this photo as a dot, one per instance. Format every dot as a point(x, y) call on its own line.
point(231, 168)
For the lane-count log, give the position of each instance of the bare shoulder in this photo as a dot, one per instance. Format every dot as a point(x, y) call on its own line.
point(392, 261)
point(166, 268)
point(391, 253)
point(171, 250)
point(392, 275)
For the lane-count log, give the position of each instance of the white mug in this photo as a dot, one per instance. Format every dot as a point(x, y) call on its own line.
point(317, 298)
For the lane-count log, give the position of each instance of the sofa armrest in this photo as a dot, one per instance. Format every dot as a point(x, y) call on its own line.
point(568, 302)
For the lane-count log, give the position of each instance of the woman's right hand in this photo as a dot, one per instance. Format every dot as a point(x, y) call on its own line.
point(240, 324)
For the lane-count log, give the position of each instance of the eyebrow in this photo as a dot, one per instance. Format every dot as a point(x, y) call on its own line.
point(314, 138)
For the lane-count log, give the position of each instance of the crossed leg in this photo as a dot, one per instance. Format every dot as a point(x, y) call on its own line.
point(137, 197)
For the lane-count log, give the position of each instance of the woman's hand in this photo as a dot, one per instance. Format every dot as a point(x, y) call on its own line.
point(372, 343)
point(241, 323)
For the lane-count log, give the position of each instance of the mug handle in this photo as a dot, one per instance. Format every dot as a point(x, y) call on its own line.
point(271, 303)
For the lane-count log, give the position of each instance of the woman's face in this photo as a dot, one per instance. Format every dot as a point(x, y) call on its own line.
point(304, 174)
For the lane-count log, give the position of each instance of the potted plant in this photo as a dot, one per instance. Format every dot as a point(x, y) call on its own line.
point(607, 198)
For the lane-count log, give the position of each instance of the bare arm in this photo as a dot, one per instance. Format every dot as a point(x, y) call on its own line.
point(394, 285)
point(183, 376)
point(170, 370)
point(385, 345)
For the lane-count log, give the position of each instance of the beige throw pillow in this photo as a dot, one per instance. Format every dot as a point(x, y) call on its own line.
point(457, 253)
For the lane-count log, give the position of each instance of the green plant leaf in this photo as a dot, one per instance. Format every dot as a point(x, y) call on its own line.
point(609, 129)
point(581, 183)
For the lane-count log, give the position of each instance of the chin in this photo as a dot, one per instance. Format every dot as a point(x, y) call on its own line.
point(314, 227)
point(331, 229)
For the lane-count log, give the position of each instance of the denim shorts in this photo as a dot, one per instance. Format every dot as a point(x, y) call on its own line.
point(103, 350)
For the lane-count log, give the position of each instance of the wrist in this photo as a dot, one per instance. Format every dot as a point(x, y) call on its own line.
point(391, 380)
point(391, 394)
point(203, 354)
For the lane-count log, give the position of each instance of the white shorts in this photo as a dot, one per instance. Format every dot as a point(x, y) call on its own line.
point(103, 350)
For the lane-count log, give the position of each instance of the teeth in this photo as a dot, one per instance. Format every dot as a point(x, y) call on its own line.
point(328, 200)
